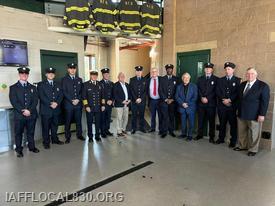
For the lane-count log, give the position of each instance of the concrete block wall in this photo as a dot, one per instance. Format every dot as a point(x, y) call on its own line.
point(241, 31)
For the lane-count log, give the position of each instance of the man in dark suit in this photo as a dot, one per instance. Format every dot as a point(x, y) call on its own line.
point(50, 95)
point(227, 95)
point(207, 102)
point(186, 97)
point(153, 84)
point(254, 99)
point(138, 98)
point(72, 86)
point(24, 99)
point(167, 91)
point(107, 87)
point(94, 104)
point(121, 103)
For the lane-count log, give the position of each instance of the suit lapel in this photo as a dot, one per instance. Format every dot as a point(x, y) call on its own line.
point(252, 88)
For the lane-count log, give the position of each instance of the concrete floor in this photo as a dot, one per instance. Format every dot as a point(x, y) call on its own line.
point(183, 173)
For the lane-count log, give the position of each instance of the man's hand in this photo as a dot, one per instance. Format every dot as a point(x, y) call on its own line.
point(226, 102)
point(128, 102)
point(204, 100)
point(88, 109)
point(109, 102)
point(124, 102)
point(53, 105)
point(138, 100)
point(261, 118)
point(26, 112)
point(75, 101)
point(103, 108)
point(185, 105)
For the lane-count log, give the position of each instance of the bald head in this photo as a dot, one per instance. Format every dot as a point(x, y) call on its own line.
point(121, 77)
point(154, 72)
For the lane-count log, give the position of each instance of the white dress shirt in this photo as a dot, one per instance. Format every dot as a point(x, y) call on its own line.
point(152, 88)
point(251, 84)
point(124, 90)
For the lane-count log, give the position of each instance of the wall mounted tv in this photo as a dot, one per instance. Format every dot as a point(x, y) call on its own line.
point(13, 53)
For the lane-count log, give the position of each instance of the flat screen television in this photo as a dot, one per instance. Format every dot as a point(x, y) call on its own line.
point(13, 53)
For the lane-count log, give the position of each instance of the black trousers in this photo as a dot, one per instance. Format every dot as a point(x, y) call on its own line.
point(228, 115)
point(70, 114)
point(49, 128)
point(19, 127)
point(106, 119)
point(138, 113)
point(167, 122)
point(206, 114)
point(93, 117)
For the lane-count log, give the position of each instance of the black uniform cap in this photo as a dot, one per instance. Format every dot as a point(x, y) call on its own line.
point(138, 68)
point(23, 70)
point(208, 65)
point(167, 66)
point(105, 70)
point(50, 70)
point(229, 64)
point(72, 65)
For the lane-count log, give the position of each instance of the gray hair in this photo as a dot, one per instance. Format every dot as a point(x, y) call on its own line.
point(186, 74)
point(252, 69)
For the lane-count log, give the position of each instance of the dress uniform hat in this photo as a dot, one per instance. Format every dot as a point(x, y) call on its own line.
point(50, 70)
point(93, 73)
point(105, 70)
point(138, 68)
point(229, 64)
point(167, 66)
point(208, 65)
point(23, 70)
point(72, 65)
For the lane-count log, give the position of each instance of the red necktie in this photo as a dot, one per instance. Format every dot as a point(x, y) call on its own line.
point(155, 88)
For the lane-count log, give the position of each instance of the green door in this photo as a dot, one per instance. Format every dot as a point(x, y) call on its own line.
point(59, 61)
point(192, 62)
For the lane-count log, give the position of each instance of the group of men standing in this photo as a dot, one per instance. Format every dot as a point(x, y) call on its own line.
point(243, 105)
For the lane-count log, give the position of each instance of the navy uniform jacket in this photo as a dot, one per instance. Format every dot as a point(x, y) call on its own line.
point(228, 89)
point(138, 89)
point(255, 102)
point(207, 88)
point(167, 88)
point(119, 95)
point(107, 90)
point(48, 94)
point(92, 96)
point(71, 90)
point(23, 98)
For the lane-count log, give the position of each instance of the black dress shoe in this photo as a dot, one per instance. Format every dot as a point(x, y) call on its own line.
point(67, 141)
point(109, 133)
point(211, 140)
point(103, 135)
point(231, 145)
point(20, 154)
point(124, 132)
point(219, 141)
point(189, 139)
point(163, 135)
point(81, 138)
point(46, 146)
point(58, 142)
point(35, 150)
point(143, 131)
point(133, 132)
point(120, 135)
point(151, 130)
point(182, 136)
point(239, 149)
point(91, 140)
point(251, 154)
point(172, 134)
point(98, 139)
point(198, 137)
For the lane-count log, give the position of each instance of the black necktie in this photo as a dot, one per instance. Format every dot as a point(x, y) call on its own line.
point(73, 78)
point(25, 85)
point(51, 83)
